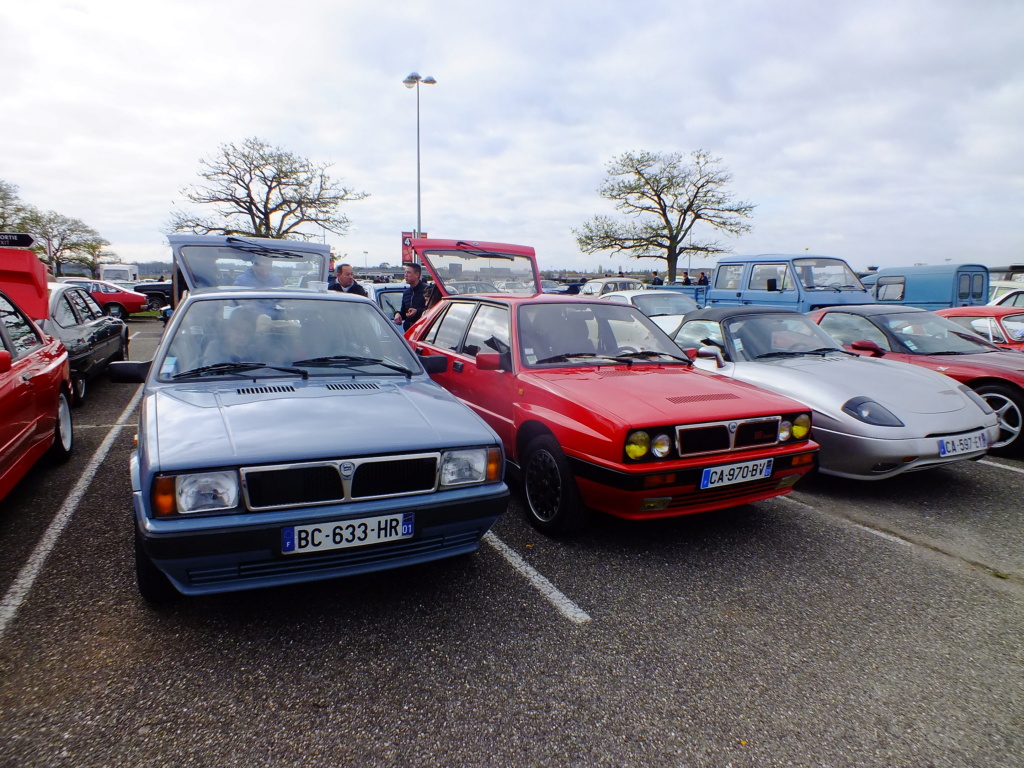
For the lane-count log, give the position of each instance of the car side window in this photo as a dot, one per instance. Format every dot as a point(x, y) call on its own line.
point(85, 304)
point(698, 333)
point(846, 329)
point(489, 324)
point(23, 335)
point(63, 315)
point(891, 288)
point(729, 276)
point(448, 333)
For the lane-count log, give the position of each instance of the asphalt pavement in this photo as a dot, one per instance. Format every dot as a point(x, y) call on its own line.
point(848, 624)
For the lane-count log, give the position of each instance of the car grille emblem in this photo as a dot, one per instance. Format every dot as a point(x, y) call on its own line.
point(347, 468)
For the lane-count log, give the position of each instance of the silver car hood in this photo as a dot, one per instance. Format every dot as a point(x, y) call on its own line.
point(242, 422)
point(826, 383)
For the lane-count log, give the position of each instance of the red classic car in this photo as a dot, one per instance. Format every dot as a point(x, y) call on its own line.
point(115, 300)
point(35, 378)
point(1002, 325)
point(597, 408)
point(920, 337)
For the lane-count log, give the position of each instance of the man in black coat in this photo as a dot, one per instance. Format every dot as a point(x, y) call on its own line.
point(346, 282)
point(414, 299)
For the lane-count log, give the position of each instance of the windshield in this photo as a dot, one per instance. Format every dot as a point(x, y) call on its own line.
point(241, 336)
point(657, 303)
point(482, 271)
point(252, 263)
point(760, 337)
point(576, 333)
point(824, 273)
point(924, 333)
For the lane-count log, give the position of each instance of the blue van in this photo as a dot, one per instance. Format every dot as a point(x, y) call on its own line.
point(800, 282)
point(930, 286)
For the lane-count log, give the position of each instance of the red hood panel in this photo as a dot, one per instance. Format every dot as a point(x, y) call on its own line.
point(23, 278)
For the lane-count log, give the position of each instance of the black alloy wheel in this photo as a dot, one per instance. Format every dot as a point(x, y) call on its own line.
point(552, 498)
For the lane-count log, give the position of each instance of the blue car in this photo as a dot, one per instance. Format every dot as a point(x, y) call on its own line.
point(288, 435)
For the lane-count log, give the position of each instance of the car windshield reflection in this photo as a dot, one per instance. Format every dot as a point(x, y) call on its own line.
point(924, 333)
point(229, 336)
point(760, 337)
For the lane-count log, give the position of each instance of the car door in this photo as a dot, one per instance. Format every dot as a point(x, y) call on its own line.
point(103, 332)
point(24, 389)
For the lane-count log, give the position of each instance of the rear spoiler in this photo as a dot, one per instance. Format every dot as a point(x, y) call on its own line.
point(23, 277)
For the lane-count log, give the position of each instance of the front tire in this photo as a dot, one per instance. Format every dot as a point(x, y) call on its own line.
point(153, 584)
point(63, 432)
point(552, 499)
point(1009, 406)
point(115, 310)
point(78, 387)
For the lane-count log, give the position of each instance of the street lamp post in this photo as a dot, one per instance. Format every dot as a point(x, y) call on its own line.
point(414, 80)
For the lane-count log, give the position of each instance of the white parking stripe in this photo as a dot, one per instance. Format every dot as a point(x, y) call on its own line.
point(563, 604)
point(30, 571)
point(988, 463)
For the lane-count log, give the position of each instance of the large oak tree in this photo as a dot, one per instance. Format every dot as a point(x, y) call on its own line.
point(261, 190)
point(663, 198)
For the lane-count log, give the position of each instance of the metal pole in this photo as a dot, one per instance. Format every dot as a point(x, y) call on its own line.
point(419, 225)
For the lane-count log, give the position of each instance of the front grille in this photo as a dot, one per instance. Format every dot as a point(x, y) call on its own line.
point(335, 482)
point(739, 492)
point(727, 436)
point(381, 478)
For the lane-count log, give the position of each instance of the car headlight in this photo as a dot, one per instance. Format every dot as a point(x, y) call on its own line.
point(200, 492)
point(867, 410)
point(661, 446)
point(473, 465)
point(973, 396)
point(637, 445)
point(801, 427)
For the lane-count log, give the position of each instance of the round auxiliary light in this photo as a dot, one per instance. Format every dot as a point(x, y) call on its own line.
point(801, 426)
point(637, 445)
point(661, 446)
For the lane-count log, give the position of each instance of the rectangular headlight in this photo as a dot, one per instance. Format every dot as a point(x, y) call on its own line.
point(464, 467)
point(206, 492)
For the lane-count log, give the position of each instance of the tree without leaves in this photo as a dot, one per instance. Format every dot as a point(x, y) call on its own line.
point(63, 240)
point(264, 191)
point(665, 199)
point(12, 210)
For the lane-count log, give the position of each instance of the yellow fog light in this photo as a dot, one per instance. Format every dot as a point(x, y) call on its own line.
point(654, 504)
point(637, 445)
point(801, 426)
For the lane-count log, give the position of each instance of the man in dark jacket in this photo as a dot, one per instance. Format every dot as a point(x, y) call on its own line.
point(346, 282)
point(414, 300)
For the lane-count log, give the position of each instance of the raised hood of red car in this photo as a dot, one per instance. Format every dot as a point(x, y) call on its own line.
point(23, 278)
point(647, 394)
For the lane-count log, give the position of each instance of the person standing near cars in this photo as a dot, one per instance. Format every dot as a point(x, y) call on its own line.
point(414, 299)
point(703, 279)
point(656, 278)
point(347, 281)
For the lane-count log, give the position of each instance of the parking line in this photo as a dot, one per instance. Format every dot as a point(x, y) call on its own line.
point(30, 571)
point(988, 463)
point(563, 604)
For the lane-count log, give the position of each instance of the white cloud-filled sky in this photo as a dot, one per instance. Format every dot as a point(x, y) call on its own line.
point(886, 132)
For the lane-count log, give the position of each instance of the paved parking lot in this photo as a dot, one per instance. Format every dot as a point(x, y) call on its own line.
point(849, 624)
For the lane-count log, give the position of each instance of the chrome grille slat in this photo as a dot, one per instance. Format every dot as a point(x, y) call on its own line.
point(723, 436)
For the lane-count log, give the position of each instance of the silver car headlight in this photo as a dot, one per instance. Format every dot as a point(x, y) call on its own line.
point(867, 410)
point(977, 399)
point(472, 465)
point(204, 492)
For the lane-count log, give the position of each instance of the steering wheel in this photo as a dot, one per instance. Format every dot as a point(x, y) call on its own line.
point(801, 346)
point(626, 351)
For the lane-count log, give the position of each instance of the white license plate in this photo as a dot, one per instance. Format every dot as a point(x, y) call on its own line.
point(736, 473)
point(952, 446)
point(346, 533)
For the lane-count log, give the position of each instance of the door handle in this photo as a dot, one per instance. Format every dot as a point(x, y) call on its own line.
point(457, 366)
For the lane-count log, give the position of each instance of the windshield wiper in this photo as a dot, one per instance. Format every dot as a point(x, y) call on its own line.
point(478, 252)
point(239, 367)
point(798, 353)
point(567, 355)
point(347, 360)
point(245, 245)
point(647, 354)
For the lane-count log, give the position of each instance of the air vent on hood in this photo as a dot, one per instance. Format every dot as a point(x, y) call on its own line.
point(680, 399)
point(265, 390)
point(354, 385)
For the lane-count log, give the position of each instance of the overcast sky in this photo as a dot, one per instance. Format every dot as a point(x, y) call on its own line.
point(886, 132)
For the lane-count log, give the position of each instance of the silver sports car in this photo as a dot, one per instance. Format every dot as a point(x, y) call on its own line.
point(872, 421)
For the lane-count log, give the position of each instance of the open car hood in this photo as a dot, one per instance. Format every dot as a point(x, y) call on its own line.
point(215, 261)
point(474, 266)
point(23, 278)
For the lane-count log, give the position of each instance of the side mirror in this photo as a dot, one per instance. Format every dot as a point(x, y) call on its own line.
point(712, 353)
point(488, 361)
point(5, 361)
point(772, 284)
point(863, 345)
point(129, 371)
point(434, 363)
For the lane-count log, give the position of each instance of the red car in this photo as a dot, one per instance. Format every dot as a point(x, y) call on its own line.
point(1002, 325)
point(916, 336)
point(115, 300)
point(597, 408)
point(35, 377)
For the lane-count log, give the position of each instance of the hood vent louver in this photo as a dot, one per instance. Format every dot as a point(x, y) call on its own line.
point(265, 390)
point(353, 385)
point(681, 399)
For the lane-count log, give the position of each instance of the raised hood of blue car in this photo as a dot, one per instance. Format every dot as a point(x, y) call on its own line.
point(277, 421)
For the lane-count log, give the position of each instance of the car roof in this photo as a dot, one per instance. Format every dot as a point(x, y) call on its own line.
point(984, 310)
point(717, 314)
point(872, 309)
point(514, 299)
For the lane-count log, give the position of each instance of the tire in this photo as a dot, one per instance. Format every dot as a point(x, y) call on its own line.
point(122, 349)
point(78, 387)
point(153, 584)
point(115, 310)
point(1008, 403)
point(154, 302)
point(63, 432)
point(553, 503)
